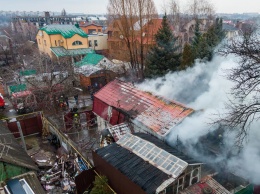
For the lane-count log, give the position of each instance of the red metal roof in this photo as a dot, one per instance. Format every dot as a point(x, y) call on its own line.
point(156, 113)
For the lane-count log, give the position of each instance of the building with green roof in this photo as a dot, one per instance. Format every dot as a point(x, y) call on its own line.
point(63, 41)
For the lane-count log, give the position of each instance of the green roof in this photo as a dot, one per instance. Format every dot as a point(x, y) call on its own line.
point(28, 72)
point(17, 88)
point(90, 59)
point(61, 51)
point(67, 31)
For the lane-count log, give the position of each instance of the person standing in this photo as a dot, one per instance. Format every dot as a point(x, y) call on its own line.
point(67, 101)
point(76, 97)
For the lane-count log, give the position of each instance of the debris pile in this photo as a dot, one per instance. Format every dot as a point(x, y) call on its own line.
point(60, 178)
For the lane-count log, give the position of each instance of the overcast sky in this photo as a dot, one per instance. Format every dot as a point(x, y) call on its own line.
point(99, 6)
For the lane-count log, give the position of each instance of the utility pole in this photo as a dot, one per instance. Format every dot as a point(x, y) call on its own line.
point(21, 134)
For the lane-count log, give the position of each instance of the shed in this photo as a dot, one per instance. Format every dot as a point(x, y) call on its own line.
point(138, 163)
point(13, 158)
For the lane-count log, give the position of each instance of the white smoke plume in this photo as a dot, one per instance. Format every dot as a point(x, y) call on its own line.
point(205, 88)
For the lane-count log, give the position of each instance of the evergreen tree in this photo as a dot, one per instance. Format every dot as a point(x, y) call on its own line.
point(197, 36)
point(100, 186)
point(187, 57)
point(164, 56)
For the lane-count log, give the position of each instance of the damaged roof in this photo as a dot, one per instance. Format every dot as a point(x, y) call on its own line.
point(208, 184)
point(155, 113)
point(118, 131)
point(12, 152)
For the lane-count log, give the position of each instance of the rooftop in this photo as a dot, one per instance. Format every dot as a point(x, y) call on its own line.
point(67, 31)
point(17, 88)
point(207, 183)
point(156, 113)
point(147, 176)
point(118, 131)
point(11, 150)
point(90, 59)
point(61, 51)
point(229, 27)
point(143, 160)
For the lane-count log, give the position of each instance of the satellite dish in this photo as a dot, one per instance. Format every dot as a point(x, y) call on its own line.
point(121, 36)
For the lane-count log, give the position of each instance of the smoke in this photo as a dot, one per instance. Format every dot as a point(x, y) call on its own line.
point(205, 88)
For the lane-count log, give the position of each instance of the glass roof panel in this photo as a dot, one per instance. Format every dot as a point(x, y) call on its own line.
point(167, 162)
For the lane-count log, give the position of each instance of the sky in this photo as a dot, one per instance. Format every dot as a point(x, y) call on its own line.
point(100, 6)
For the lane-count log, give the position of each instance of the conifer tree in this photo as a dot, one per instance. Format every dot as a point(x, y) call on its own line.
point(187, 57)
point(164, 56)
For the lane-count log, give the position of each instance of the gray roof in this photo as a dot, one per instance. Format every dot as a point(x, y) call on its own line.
point(228, 27)
point(12, 152)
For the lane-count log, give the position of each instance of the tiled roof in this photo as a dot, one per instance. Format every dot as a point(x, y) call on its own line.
point(156, 113)
point(207, 183)
point(142, 173)
point(61, 51)
point(67, 31)
point(12, 152)
point(90, 59)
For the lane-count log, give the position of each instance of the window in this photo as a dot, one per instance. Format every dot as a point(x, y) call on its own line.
point(180, 184)
point(90, 43)
point(45, 43)
point(39, 41)
point(99, 30)
point(95, 43)
point(55, 43)
point(77, 42)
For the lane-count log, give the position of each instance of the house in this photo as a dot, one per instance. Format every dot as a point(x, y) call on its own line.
point(90, 28)
point(119, 102)
point(117, 43)
point(14, 160)
point(141, 163)
point(230, 30)
point(96, 70)
point(63, 40)
point(98, 42)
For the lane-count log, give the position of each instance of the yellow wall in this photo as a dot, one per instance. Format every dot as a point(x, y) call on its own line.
point(101, 40)
point(66, 43)
point(41, 39)
point(75, 38)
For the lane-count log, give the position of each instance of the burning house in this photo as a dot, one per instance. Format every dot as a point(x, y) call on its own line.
point(120, 102)
point(141, 163)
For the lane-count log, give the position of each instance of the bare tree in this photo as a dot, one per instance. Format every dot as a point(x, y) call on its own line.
point(246, 76)
point(131, 16)
point(198, 8)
